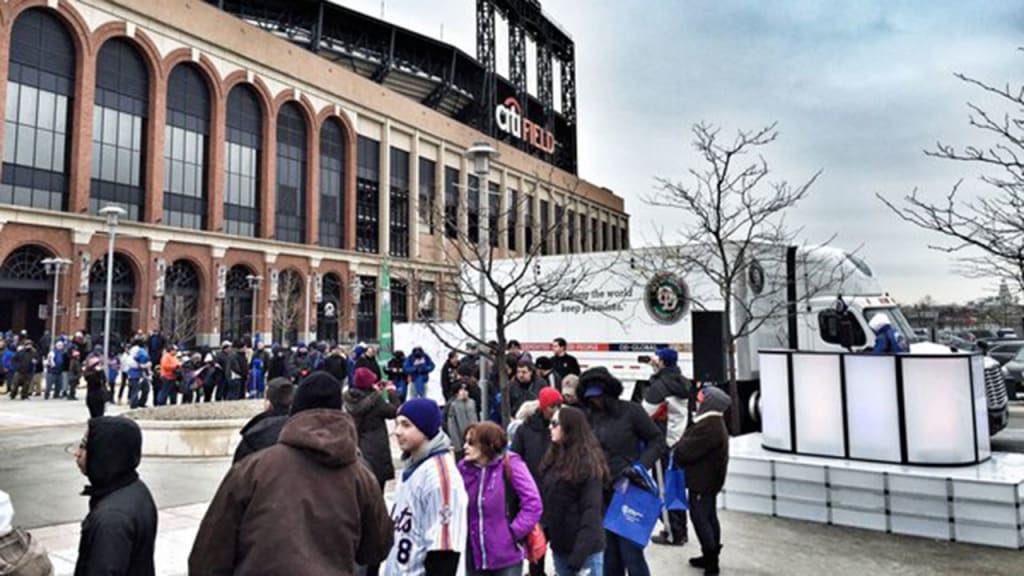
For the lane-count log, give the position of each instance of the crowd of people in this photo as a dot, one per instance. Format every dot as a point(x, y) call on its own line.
point(475, 495)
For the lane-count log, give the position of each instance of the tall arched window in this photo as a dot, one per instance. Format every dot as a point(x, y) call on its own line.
point(122, 298)
point(185, 148)
point(40, 85)
point(119, 129)
point(332, 184)
point(179, 319)
point(290, 209)
point(236, 321)
point(25, 289)
point(243, 142)
point(328, 316)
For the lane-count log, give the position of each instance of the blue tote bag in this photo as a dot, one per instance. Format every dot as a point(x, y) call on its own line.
point(675, 487)
point(634, 510)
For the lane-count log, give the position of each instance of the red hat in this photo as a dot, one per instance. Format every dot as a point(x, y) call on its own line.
point(549, 397)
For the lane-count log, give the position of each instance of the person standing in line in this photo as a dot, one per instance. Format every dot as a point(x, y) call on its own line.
point(395, 372)
point(418, 367)
point(569, 395)
point(74, 374)
point(628, 437)
point(336, 364)
point(55, 362)
point(138, 375)
point(306, 505)
point(429, 509)
point(703, 453)
point(24, 367)
point(563, 363)
point(667, 401)
point(170, 373)
point(263, 430)
point(525, 386)
point(532, 441)
point(488, 471)
point(368, 359)
point(95, 385)
point(546, 371)
point(460, 413)
point(258, 371)
point(573, 476)
point(450, 376)
point(119, 534)
point(371, 410)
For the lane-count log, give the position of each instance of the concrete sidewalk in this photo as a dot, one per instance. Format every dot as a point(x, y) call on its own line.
point(754, 545)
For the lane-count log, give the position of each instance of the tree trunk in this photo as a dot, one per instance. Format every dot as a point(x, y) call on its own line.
point(730, 362)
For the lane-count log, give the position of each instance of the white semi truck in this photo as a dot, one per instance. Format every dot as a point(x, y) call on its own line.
point(635, 302)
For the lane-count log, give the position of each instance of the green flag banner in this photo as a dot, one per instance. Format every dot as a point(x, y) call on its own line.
point(387, 344)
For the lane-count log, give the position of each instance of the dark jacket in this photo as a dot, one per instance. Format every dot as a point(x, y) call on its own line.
point(336, 365)
point(260, 432)
point(119, 534)
point(278, 366)
point(565, 365)
point(371, 412)
point(306, 505)
point(365, 361)
point(449, 380)
point(532, 441)
point(519, 393)
point(626, 433)
point(668, 385)
point(573, 517)
point(704, 450)
point(25, 361)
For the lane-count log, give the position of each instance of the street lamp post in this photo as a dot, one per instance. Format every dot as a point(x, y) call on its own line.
point(55, 266)
point(481, 154)
point(254, 285)
point(112, 213)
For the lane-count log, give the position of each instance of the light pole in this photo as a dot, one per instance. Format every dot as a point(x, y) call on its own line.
point(481, 154)
point(112, 213)
point(55, 266)
point(254, 285)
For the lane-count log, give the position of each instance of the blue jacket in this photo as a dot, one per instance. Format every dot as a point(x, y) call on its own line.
point(141, 360)
point(7, 359)
point(889, 341)
point(418, 367)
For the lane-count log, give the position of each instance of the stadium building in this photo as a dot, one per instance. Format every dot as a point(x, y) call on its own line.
point(272, 152)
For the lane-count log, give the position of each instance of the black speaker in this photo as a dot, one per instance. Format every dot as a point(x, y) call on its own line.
point(709, 346)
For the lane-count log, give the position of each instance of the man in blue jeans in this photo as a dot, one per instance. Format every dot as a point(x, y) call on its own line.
point(138, 375)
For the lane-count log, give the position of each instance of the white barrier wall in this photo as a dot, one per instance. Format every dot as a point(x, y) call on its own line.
point(907, 409)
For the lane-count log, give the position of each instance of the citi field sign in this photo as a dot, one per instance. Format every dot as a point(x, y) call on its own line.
point(509, 115)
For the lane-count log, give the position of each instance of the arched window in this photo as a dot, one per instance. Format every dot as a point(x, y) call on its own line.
point(25, 289)
point(287, 309)
point(37, 127)
point(186, 149)
point(236, 320)
point(332, 184)
point(328, 316)
point(119, 129)
point(290, 209)
point(122, 298)
point(179, 318)
point(244, 140)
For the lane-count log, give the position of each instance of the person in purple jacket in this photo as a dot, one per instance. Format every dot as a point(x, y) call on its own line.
point(494, 530)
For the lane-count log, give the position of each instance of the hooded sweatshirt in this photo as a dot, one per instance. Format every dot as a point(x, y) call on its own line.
point(704, 450)
point(20, 554)
point(119, 534)
point(306, 505)
point(371, 412)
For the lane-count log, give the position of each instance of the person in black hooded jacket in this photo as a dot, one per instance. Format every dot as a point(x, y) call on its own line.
point(119, 534)
point(628, 436)
point(264, 428)
point(371, 411)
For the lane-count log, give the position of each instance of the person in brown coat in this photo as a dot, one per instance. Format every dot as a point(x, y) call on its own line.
point(307, 505)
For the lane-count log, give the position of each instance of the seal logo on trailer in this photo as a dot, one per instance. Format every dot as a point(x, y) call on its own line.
point(666, 297)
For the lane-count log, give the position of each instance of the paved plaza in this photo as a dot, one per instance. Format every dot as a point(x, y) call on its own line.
point(36, 468)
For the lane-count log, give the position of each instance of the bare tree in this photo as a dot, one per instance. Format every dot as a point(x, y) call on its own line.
point(513, 288)
point(286, 309)
point(733, 226)
point(985, 232)
point(179, 317)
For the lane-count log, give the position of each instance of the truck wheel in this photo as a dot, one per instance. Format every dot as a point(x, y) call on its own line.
point(754, 406)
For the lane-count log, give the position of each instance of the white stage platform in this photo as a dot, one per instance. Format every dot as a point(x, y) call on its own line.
point(980, 503)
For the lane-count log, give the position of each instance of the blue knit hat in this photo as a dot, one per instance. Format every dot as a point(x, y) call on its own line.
point(424, 414)
point(669, 356)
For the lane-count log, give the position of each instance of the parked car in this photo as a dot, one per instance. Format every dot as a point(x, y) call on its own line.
point(1002, 350)
point(1013, 374)
point(1006, 333)
point(922, 333)
point(959, 343)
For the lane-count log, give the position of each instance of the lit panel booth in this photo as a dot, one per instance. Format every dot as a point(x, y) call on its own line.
point(912, 409)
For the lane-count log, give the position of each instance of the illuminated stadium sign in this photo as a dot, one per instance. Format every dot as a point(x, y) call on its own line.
point(509, 116)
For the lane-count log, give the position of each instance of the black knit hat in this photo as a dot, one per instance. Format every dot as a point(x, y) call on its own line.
point(318, 390)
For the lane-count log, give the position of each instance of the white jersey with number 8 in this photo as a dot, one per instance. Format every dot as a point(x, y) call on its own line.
point(429, 514)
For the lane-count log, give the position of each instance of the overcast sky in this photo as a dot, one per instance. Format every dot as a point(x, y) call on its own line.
point(859, 90)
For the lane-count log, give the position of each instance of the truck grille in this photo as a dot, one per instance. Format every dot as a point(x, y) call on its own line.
point(995, 388)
